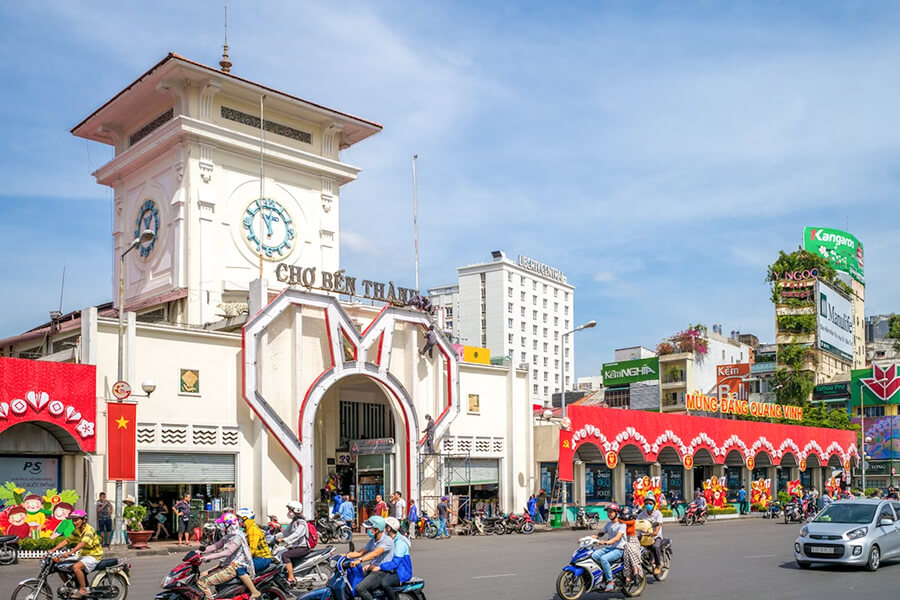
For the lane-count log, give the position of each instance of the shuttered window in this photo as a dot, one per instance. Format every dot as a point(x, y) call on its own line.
point(479, 471)
point(184, 467)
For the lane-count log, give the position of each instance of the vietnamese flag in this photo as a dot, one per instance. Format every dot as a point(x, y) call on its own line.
point(121, 437)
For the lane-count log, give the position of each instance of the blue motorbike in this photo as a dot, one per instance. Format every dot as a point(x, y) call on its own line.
point(342, 585)
point(583, 575)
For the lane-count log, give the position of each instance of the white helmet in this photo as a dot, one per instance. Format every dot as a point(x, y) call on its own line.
point(295, 507)
point(245, 513)
point(393, 523)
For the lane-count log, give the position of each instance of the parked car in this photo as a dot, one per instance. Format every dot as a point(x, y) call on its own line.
point(851, 532)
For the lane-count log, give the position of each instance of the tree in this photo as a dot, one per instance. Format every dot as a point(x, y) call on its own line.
point(894, 332)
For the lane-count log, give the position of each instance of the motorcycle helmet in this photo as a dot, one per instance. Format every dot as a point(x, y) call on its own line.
point(295, 507)
point(374, 522)
point(612, 507)
point(626, 514)
point(393, 523)
point(650, 497)
point(245, 513)
point(78, 514)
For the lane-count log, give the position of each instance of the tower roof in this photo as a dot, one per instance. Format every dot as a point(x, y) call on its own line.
point(127, 106)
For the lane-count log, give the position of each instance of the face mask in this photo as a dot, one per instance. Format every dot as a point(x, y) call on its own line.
point(648, 507)
point(370, 532)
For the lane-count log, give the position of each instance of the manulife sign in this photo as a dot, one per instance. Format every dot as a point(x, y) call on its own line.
point(630, 371)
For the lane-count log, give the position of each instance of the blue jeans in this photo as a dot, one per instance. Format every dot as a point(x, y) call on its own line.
point(259, 565)
point(442, 528)
point(604, 556)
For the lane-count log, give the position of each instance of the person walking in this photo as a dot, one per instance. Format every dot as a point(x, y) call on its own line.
point(443, 510)
point(104, 519)
point(347, 511)
point(183, 512)
point(531, 507)
point(675, 503)
point(542, 504)
point(399, 507)
point(413, 519)
point(160, 515)
point(380, 508)
point(742, 501)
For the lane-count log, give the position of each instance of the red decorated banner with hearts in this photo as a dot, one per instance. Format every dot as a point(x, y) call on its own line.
point(63, 395)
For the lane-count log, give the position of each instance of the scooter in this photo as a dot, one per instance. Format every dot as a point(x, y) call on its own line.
point(774, 510)
point(181, 583)
point(427, 527)
point(793, 513)
point(9, 549)
point(342, 585)
point(333, 529)
point(495, 525)
point(694, 515)
point(647, 559)
point(110, 581)
point(311, 571)
point(519, 523)
point(583, 575)
point(581, 519)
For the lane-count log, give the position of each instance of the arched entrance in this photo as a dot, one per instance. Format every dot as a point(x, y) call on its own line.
point(359, 425)
point(40, 455)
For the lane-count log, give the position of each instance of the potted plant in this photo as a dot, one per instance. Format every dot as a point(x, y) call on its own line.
point(134, 522)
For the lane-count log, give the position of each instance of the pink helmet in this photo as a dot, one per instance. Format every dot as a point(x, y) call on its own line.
point(78, 514)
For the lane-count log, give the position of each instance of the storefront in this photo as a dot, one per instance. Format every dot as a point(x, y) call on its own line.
point(633, 452)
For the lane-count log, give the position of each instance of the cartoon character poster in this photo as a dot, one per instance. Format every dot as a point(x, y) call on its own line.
point(794, 488)
point(715, 492)
point(761, 493)
point(29, 515)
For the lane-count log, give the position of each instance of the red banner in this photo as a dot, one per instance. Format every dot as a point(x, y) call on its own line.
point(121, 429)
point(566, 463)
point(62, 395)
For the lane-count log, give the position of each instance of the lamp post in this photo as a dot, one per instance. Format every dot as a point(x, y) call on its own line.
point(146, 237)
point(562, 391)
point(562, 363)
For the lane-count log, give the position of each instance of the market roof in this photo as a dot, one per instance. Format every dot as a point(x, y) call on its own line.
point(354, 128)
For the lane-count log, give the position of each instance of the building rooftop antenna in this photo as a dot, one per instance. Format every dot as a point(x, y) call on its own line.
point(225, 63)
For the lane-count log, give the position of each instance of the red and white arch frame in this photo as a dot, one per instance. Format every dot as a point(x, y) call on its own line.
point(611, 430)
point(378, 337)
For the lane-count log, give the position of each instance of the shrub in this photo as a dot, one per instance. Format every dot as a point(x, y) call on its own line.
point(133, 516)
point(757, 507)
point(39, 544)
point(728, 510)
point(666, 512)
point(783, 497)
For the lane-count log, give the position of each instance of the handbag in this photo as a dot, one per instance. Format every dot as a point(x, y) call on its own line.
point(161, 517)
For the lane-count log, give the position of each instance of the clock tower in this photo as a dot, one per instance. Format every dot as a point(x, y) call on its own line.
point(190, 144)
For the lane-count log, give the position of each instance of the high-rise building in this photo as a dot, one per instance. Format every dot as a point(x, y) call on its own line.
point(517, 308)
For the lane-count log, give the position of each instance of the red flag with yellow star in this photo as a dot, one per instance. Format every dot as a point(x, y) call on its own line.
point(121, 434)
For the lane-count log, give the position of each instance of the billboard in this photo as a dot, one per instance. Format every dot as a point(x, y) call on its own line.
point(630, 371)
point(843, 251)
point(730, 380)
point(834, 322)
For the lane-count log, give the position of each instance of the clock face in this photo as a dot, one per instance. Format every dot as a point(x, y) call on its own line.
point(268, 228)
point(148, 218)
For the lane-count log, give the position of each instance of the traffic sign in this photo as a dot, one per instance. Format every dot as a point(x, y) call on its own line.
point(121, 390)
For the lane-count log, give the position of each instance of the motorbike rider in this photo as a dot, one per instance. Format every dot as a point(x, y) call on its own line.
point(654, 515)
point(632, 550)
point(85, 540)
point(700, 500)
point(233, 553)
point(378, 550)
point(297, 532)
point(398, 570)
point(259, 549)
point(615, 544)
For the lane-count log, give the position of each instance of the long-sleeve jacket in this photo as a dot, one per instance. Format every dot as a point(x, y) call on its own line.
point(297, 532)
point(231, 549)
point(256, 539)
point(400, 563)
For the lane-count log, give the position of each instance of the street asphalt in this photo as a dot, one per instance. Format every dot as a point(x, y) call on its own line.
point(740, 559)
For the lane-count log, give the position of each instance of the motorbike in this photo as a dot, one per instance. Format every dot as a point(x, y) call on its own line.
point(211, 533)
point(774, 510)
point(9, 549)
point(427, 527)
point(582, 520)
point(273, 526)
point(333, 529)
point(794, 513)
point(583, 575)
point(181, 583)
point(647, 561)
point(109, 581)
point(311, 571)
point(694, 515)
point(342, 585)
point(494, 525)
point(519, 523)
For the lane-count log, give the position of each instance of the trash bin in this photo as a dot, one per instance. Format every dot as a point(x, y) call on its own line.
point(556, 516)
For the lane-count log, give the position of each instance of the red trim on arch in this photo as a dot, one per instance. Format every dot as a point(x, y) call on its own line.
point(328, 333)
point(373, 321)
point(380, 348)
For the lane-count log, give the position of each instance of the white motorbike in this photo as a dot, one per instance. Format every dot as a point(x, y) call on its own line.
point(311, 572)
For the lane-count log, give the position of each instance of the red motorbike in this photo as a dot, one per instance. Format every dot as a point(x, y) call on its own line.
point(181, 583)
point(518, 523)
point(694, 515)
point(273, 526)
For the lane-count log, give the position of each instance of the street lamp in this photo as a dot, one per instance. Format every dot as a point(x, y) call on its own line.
point(865, 463)
point(145, 237)
point(562, 363)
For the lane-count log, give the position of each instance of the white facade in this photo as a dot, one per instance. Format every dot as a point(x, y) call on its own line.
point(445, 298)
point(589, 383)
point(519, 309)
point(269, 424)
point(633, 353)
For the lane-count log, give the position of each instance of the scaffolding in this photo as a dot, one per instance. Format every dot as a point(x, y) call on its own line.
point(437, 471)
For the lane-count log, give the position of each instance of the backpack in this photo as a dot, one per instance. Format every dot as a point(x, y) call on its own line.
point(312, 535)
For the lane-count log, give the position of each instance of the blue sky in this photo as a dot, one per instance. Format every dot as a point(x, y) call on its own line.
point(659, 153)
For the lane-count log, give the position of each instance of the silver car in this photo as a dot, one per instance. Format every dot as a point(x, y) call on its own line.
point(851, 532)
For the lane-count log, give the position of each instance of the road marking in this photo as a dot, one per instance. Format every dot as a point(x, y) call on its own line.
point(762, 556)
point(493, 576)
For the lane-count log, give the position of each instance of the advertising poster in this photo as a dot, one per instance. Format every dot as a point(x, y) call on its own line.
point(843, 251)
point(630, 371)
point(834, 322)
point(730, 380)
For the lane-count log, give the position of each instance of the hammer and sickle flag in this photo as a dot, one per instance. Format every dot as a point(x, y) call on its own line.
point(566, 465)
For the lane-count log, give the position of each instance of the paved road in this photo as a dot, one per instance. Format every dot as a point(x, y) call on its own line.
point(750, 558)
